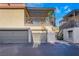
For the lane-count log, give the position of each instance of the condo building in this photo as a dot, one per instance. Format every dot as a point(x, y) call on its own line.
point(20, 24)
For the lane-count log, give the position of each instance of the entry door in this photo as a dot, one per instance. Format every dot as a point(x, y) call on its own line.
point(70, 35)
point(43, 37)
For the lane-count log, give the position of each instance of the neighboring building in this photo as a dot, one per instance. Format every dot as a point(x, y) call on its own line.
point(18, 24)
point(70, 27)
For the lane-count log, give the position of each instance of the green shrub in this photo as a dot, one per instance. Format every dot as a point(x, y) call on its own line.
point(59, 37)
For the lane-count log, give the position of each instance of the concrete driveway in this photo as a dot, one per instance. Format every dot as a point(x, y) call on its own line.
point(55, 49)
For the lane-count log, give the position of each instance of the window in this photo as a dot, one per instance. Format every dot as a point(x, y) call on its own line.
point(77, 13)
point(36, 20)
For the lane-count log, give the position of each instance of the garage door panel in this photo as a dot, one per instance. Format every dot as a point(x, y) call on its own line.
point(13, 36)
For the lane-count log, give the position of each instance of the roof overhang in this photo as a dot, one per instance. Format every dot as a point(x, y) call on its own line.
point(12, 5)
point(71, 13)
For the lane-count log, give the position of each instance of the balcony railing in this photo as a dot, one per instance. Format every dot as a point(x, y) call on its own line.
point(70, 24)
point(38, 21)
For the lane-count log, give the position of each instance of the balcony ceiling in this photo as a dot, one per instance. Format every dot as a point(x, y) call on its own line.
point(39, 12)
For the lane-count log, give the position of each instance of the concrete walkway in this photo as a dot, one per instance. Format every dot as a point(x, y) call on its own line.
point(58, 48)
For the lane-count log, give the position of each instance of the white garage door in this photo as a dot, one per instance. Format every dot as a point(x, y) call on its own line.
point(13, 36)
point(39, 36)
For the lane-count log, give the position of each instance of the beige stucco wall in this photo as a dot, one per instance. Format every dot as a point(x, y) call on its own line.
point(11, 18)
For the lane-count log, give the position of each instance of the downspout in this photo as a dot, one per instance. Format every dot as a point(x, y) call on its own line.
point(54, 18)
point(30, 40)
point(74, 19)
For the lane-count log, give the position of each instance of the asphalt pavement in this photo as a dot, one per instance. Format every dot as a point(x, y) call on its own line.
point(47, 49)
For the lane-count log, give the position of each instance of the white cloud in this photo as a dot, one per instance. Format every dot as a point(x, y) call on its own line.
point(66, 7)
point(57, 10)
point(58, 21)
point(68, 10)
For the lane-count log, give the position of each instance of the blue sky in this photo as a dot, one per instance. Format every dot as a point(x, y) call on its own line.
point(61, 8)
